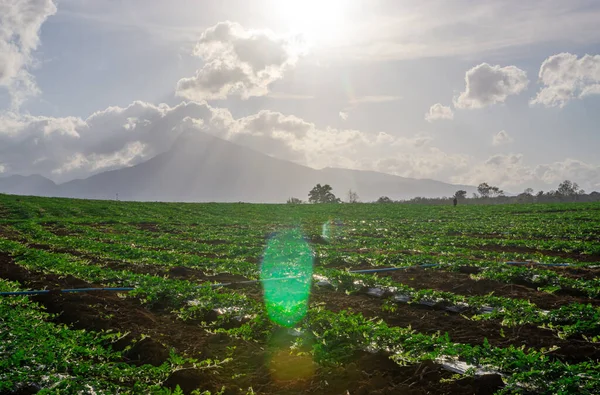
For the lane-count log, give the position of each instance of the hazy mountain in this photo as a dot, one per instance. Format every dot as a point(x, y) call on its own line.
point(27, 185)
point(205, 168)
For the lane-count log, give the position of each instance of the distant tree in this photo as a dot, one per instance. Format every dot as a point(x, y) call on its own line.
point(540, 194)
point(484, 189)
point(384, 199)
point(567, 188)
point(322, 194)
point(353, 197)
point(294, 200)
point(526, 196)
point(474, 196)
point(495, 192)
point(460, 194)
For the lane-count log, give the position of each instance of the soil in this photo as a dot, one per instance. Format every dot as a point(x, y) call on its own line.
point(424, 319)
point(268, 368)
point(528, 250)
point(462, 283)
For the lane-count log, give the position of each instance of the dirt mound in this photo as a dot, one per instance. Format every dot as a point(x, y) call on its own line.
point(189, 380)
point(147, 352)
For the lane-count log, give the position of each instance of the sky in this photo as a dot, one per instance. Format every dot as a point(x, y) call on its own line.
point(464, 91)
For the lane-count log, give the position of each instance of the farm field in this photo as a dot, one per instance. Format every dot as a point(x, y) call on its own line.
point(456, 319)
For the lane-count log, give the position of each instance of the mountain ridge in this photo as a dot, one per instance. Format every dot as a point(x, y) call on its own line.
point(200, 167)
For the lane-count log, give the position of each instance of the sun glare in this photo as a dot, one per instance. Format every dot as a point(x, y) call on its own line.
point(317, 21)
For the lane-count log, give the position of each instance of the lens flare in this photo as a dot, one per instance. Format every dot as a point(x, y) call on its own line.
point(285, 366)
point(286, 275)
point(331, 229)
point(326, 231)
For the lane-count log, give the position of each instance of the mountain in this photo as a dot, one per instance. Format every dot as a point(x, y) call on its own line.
point(201, 167)
point(27, 185)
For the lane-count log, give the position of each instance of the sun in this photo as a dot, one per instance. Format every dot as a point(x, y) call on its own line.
point(319, 22)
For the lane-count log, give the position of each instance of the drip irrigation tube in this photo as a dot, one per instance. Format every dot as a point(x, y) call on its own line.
point(390, 269)
point(73, 290)
point(126, 289)
point(539, 264)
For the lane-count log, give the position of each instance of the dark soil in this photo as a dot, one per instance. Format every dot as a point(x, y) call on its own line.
point(424, 319)
point(463, 284)
point(268, 368)
point(528, 250)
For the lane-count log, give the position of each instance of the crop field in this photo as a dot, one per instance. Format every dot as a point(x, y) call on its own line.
point(455, 318)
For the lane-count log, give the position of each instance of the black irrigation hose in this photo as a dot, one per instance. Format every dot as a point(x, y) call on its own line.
point(126, 289)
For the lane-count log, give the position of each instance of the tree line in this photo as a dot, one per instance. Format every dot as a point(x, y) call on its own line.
point(567, 191)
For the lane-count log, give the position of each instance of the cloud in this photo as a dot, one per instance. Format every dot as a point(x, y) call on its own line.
point(429, 162)
point(487, 85)
point(116, 137)
point(438, 111)
point(343, 115)
point(237, 62)
point(587, 175)
point(72, 147)
point(511, 171)
point(20, 23)
point(500, 170)
point(502, 138)
point(566, 77)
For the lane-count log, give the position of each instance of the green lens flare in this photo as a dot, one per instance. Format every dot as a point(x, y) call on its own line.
point(326, 233)
point(286, 275)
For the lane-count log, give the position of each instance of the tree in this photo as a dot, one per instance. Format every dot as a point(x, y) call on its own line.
point(526, 196)
point(322, 194)
point(384, 199)
point(352, 196)
point(495, 191)
point(460, 194)
point(484, 189)
point(294, 200)
point(567, 188)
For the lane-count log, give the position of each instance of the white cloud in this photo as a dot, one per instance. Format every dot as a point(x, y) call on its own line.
point(20, 22)
point(428, 162)
point(343, 115)
point(70, 147)
point(487, 85)
point(510, 171)
point(237, 62)
point(502, 138)
point(438, 111)
point(565, 77)
point(587, 175)
point(500, 170)
point(99, 162)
